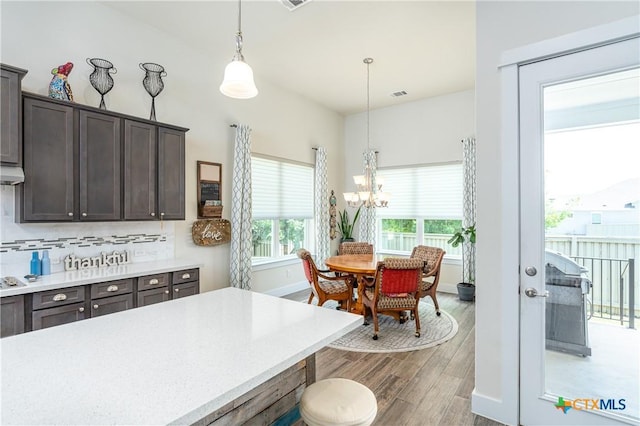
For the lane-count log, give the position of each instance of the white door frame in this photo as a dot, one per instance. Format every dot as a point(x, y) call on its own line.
point(510, 62)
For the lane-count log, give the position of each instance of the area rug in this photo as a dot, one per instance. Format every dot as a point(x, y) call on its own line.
point(396, 337)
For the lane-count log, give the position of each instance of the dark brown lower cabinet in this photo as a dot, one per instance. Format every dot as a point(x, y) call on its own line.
point(156, 295)
point(111, 305)
point(186, 289)
point(49, 308)
point(185, 283)
point(12, 312)
point(51, 317)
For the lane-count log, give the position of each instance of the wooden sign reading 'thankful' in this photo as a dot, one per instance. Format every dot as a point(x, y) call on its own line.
point(211, 232)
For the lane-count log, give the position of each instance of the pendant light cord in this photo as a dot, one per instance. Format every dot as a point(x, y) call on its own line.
point(239, 54)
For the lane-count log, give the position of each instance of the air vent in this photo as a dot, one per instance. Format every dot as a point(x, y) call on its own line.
point(294, 4)
point(398, 94)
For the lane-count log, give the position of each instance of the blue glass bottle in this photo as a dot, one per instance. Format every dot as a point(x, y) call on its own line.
point(45, 263)
point(35, 264)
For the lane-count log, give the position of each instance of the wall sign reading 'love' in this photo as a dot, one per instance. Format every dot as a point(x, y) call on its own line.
point(211, 232)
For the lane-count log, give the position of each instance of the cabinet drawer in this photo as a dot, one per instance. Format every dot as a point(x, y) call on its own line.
point(153, 281)
point(185, 276)
point(63, 296)
point(111, 288)
point(51, 317)
point(111, 305)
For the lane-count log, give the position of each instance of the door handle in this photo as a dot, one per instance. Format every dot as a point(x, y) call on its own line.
point(531, 271)
point(532, 292)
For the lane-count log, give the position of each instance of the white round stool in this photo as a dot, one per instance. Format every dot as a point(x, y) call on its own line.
point(338, 402)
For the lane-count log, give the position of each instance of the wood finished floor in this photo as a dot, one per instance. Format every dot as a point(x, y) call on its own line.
point(427, 387)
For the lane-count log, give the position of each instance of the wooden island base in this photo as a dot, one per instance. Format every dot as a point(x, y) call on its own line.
point(275, 398)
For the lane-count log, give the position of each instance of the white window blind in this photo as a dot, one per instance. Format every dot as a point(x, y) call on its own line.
point(281, 189)
point(433, 192)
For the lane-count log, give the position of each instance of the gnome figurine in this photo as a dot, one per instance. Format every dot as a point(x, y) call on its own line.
point(59, 87)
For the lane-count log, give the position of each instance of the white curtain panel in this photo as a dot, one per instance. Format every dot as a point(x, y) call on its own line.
point(321, 207)
point(367, 232)
point(469, 203)
point(241, 248)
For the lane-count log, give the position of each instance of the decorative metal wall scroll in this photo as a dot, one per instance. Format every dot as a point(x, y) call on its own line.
point(211, 232)
point(100, 78)
point(153, 83)
point(332, 216)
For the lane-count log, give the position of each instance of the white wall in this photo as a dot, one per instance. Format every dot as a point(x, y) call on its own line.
point(43, 35)
point(501, 26)
point(427, 131)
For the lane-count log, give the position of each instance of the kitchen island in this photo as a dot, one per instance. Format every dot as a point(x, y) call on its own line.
point(177, 362)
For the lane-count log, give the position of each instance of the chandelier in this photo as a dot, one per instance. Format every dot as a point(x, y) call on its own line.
point(369, 186)
point(238, 75)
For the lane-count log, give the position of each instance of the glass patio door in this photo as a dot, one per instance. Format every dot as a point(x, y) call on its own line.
point(579, 203)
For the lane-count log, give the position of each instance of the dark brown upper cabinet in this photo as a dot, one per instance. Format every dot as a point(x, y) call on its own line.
point(11, 114)
point(86, 164)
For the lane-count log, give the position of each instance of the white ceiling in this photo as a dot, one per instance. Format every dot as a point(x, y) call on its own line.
point(426, 48)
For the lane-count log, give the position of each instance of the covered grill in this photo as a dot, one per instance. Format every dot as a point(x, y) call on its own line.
point(566, 307)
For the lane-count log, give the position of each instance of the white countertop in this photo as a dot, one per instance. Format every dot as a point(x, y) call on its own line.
point(96, 275)
point(172, 362)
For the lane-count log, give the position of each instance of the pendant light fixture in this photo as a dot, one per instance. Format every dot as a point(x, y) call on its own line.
point(238, 75)
point(369, 188)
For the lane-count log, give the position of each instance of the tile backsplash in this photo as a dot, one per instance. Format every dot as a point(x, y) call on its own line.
point(145, 241)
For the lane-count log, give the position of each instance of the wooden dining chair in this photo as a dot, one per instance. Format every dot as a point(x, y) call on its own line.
point(432, 258)
point(350, 247)
point(397, 289)
point(326, 287)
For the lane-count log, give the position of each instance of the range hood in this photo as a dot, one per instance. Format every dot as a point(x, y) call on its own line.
point(11, 175)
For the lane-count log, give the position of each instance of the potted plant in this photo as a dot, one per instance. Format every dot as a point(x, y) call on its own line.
point(345, 226)
point(466, 290)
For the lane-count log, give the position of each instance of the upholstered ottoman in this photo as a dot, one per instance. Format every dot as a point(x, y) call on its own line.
point(338, 402)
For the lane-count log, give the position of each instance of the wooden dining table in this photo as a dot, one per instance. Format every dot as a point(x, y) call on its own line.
point(359, 265)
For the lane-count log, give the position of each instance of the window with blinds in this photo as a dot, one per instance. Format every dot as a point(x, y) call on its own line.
point(425, 207)
point(282, 208)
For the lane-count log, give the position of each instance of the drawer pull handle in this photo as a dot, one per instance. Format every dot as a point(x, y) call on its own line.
point(153, 281)
point(59, 297)
point(112, 288)
point(70, 214)
point(186, 276)
point(96, 306)
point(177, 290)
point(81, 309)
point(166, 292)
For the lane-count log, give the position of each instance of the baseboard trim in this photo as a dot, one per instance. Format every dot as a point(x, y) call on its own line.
point(491, 408)
point(288, 289)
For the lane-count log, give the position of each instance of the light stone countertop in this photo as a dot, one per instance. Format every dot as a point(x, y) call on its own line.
point(168, 363)
point(96, 275)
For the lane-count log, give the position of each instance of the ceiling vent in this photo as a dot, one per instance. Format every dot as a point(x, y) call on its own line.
point(398, 94)
point(294, 4)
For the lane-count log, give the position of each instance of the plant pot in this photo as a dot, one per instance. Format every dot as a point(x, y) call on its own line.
point(466, 291)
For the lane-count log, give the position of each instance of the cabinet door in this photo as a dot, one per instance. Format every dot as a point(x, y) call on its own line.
point(12, 315)
point(156, 295)
point(11, 116)
point(100, 149)
point(51, 317)
point(47, 193)
point(171, 174)
point(186, 289)
point(140, 171)
point(110, 305)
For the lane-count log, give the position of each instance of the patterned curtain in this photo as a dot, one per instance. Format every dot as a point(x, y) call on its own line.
point(241, 247)
point(469, 204)
point(321, 207)
point(367, 218)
